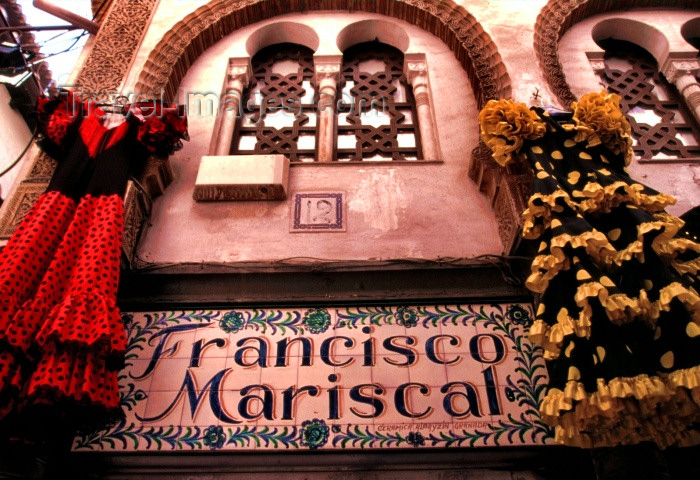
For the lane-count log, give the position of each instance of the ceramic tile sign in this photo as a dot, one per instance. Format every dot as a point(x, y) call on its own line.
point(324, 378)
point(318, 212)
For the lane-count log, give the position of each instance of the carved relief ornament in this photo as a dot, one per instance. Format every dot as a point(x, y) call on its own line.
point(679, 68)
point(239, 71)
point(327, 71)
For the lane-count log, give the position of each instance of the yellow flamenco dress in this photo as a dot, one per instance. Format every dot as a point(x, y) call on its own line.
point(618, 311)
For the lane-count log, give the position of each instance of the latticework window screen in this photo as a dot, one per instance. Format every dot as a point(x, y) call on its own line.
point(279, 110)
point(376, 111)
point(662, 127)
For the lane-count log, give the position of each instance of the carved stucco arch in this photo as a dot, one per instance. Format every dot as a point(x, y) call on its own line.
point(557, 16)
point(169, 61)
point(647, 37)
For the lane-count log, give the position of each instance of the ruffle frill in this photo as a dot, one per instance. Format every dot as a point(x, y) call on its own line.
point(70, 361)
point(505, 125)
point(609, 271)
point(627, 411)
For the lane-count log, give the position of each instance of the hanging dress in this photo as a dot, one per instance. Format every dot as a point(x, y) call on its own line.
point(61, 335)
point(615, 277)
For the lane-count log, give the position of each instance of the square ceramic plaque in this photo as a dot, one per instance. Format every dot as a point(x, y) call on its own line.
point(319, 212)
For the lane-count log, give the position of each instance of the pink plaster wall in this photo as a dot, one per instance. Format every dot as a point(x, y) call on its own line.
point(430, 212)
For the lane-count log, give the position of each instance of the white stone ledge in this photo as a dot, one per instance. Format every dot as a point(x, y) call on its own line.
point(242, 177)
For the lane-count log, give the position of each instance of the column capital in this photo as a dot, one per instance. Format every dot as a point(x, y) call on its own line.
point(681, 72)
point(327, 70)
point(415, 66)
point(239, 69)
point(677, 68)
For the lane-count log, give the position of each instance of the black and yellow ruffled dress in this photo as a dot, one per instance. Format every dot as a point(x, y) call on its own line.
point(618, 313)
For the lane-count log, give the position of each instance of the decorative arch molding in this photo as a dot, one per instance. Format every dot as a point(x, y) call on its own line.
point(169, 61)
point(557, 16)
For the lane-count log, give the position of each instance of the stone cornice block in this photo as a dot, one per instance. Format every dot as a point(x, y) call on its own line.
point(242, 177)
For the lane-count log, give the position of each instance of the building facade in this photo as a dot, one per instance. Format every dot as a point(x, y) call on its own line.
point(19, 92)
point(377, 232)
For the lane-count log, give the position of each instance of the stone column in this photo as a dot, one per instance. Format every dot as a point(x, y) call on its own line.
point(327, 69)
point(679, 72)
point(238, 77)
point(416, 70)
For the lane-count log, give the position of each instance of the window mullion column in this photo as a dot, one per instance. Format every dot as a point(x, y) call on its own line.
point(327, 70)
point(416, 70)
point(680, 74)
point(238, 76)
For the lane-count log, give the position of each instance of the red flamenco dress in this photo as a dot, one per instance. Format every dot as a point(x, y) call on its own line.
point(61, 334)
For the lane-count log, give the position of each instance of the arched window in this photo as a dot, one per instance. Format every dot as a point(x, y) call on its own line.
point(279, 115)
point(376, 110)
point(662, 126)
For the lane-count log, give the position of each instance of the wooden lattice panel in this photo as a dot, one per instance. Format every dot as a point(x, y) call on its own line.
point(661, 127)
point(387, 92)
point(277, 93)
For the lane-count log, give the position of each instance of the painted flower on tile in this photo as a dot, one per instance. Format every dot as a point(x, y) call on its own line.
point(406, 316)
point(518, 315)
point(416, 439)
point(317, 320)
point(214, 437)
point(232, 322)
point(314, 433)
point(127, 318)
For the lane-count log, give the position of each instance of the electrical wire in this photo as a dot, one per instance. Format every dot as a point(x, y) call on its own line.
point(75, 41)
point(44, 42)
point(69, 49)
point(315, 265)
point(44, 58)
point(52, 41)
